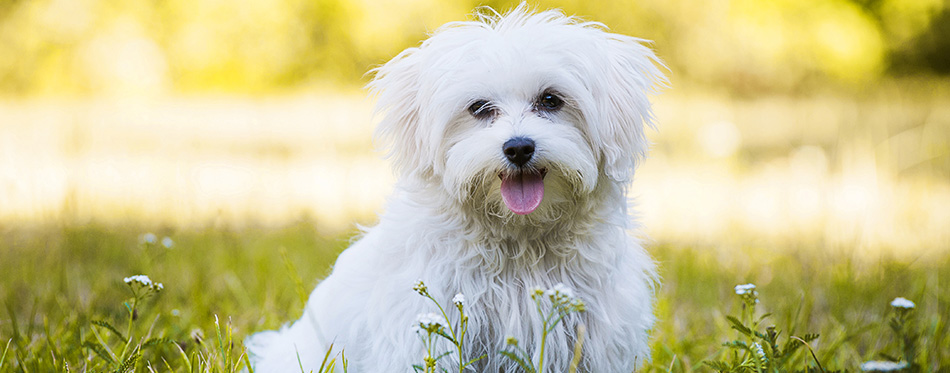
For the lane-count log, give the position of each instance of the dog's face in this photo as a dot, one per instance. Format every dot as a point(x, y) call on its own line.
point(520, 114)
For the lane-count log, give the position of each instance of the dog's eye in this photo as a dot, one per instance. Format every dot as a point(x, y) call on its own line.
point(549, 102)
point(481, 109)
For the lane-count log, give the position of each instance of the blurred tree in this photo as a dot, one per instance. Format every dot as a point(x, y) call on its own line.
point(68, 47)
point(928, 52)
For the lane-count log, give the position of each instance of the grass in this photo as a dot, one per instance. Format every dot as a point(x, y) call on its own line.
point(220, 284)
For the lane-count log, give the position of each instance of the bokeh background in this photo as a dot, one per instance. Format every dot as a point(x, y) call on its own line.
point(802, 140)
point(785, 118)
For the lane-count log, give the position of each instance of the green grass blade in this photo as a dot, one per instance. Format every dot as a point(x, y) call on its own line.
point(292, 272)
point(4, 356)
point(820, 368)
point(217, 329)
point(13, 324)
point(342, 358)
point(300, 362)
point(322, 364)
point(54, 351)
point(167, 365)
point(247, 362)
point(184, 356)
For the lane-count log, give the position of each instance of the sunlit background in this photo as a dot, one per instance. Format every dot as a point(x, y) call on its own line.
point(805, 119)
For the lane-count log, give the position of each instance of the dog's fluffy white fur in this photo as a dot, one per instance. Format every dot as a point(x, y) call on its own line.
point(449, 107)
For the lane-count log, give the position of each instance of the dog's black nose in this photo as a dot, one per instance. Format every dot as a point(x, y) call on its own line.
point(519, 150)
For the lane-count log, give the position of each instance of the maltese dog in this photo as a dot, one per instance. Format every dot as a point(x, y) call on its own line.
point(514, 137)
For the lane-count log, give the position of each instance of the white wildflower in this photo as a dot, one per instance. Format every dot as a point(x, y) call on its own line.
point(430, 318)
point(458, 299)
point(882, 366)
point(144, 281)
point(149, 238)
point(746, 289)
point(430, 322)
point(561, 291)
point(141, 279)
point(167, 242)
point(562, 297)
point(901, 302)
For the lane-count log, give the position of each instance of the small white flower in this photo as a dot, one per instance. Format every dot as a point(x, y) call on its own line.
point(148, 238)
point(176, 312)
point(882, 366)
point(430, 318)
point(167, 242)
point(429, 322)
point(141, 279)
point(745, 289)
point(561, 290)
point(458, 299)
point(901, 302)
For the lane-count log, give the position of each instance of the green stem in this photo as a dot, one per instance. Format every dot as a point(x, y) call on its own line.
point(444, 315)
point(462, 325)
point(544, 337)
point(128, 330)
point(429, 368)
point(560, 316)
point(456, 337)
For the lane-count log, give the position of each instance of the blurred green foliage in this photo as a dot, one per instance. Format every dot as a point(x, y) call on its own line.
point(79, 47)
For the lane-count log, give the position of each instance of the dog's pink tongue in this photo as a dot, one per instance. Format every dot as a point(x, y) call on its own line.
point(522, 191)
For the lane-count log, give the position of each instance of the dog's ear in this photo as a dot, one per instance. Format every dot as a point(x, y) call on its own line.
point(630, 75)
point(396, 86)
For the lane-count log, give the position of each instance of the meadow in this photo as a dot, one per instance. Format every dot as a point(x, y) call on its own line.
point(833, 206)
point(59, 280)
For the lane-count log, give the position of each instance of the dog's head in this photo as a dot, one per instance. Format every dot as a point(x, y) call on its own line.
point(518, 113)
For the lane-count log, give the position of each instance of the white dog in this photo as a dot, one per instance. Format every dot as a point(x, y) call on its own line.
point(515, 138)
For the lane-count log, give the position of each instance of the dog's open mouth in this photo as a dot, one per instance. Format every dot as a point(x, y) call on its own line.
point(522, 190)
